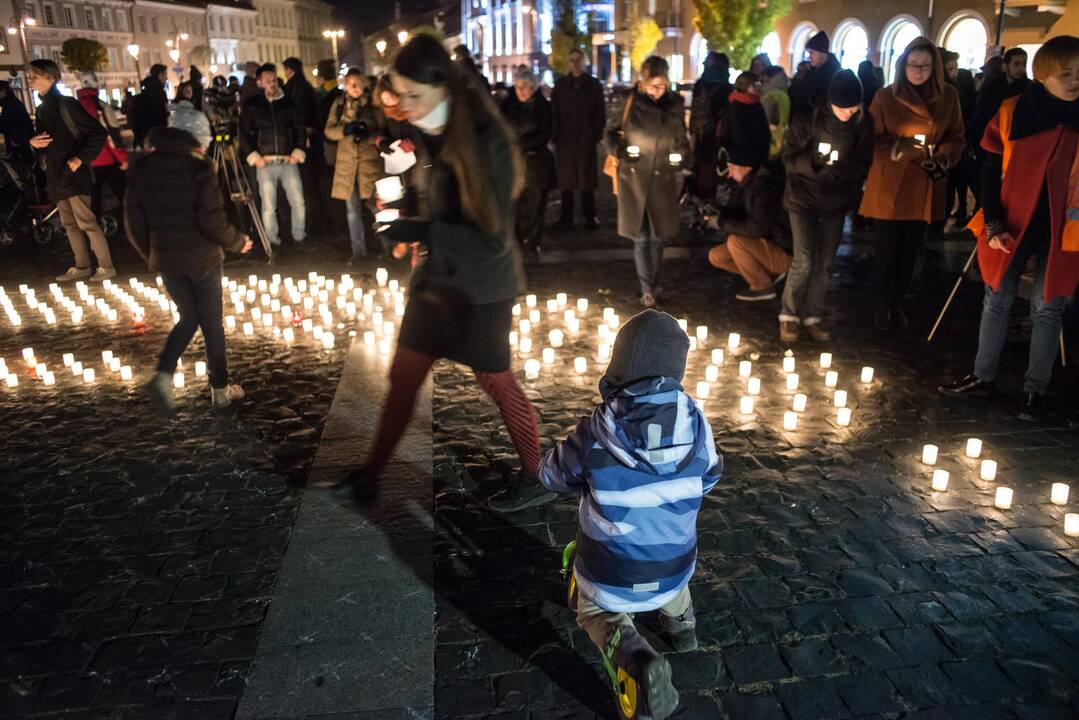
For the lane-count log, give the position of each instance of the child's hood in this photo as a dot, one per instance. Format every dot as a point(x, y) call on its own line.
point(651, 426)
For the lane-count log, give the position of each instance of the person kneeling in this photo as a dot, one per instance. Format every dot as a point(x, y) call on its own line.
point(643, 461)
point(175, 216)
point(758, 234)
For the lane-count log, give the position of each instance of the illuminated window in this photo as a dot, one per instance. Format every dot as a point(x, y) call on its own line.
point(897, 35)
point(799, 38)
point(967, 36)
point(851, 44)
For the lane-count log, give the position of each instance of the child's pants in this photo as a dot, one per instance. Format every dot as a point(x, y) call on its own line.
point(601, 624)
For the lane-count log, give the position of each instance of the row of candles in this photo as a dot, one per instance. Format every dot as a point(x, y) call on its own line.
point(987, 470)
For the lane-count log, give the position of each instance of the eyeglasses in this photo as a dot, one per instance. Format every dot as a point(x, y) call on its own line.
point(920, 67)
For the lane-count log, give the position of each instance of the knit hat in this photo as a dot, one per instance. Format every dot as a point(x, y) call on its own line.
point(88, 79)
point(650, 344)
point(172, 139)
point(819, 42)
point(845, 89)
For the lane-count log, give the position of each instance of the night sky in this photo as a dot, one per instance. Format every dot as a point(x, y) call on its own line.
point(359, 16)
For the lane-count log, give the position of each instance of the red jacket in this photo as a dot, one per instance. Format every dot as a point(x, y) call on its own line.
point(1045, 158)
point(111, 154)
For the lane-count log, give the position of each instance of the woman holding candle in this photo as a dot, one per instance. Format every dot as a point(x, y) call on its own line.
point(919, 128)
point(647, 136)
point(1030, 192)
point(460, 305)
point(826, 153)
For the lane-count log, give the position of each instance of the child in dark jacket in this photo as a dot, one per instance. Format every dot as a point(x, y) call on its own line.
point(644, 460)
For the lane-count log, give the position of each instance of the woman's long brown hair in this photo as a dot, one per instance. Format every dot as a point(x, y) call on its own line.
point(425, 61)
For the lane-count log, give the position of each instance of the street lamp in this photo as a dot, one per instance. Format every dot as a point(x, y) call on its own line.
point(380, 45)
point(174, 53)
point(19, 23)
point(133, 51)
point(333, 36)
point(402, 37)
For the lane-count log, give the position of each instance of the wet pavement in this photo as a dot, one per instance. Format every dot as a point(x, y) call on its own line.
point(140, 556)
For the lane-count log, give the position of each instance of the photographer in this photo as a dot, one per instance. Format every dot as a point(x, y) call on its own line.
point(353, 125)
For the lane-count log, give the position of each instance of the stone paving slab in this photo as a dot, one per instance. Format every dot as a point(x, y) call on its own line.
point(349, 631)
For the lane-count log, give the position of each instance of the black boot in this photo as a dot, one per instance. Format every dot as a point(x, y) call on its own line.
point(967, 385)
point(1030, 407)
point(682, 631)
point(652, 673)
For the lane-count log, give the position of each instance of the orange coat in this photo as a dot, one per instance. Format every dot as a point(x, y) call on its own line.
point(898, 188)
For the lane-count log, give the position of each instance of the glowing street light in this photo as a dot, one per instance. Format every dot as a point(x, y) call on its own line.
point(333, 36)
point(380, 45)
point(402, 37)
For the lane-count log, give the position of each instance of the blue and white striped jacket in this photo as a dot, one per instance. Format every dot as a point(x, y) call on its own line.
point(645, 458)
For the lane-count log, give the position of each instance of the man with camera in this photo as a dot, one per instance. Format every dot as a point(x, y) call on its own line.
point(353, 125)
point(272, 140)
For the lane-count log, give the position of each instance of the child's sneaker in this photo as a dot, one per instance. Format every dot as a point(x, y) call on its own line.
point(681, 631)
point(223, 397)
point(159, 390)
point(683, 640)
point(652, 673)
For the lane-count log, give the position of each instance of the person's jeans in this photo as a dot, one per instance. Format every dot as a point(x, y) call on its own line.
point(288, 175)
point(648, 256)
point(756, 259)
point(354, 214)
point(198, 300)
point(815, 242)
point(1046, 317)
point(898, 244)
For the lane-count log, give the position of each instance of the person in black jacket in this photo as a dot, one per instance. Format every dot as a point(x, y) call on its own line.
point(529, 114)
point(273, 140)
point(15, 125)
point(827, 155)
point(151, 106)
point(304, 98)
point(329, 89)
point(745, 132)
point(710, 96)
point(758, 234)
point(961, 176)
point(578, 110)
point(810, 91)
point(460, 304)
point(175, 219)
point(70, 140)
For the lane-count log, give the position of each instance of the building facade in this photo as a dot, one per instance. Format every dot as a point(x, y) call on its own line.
point(313, 17)
point(380, 47)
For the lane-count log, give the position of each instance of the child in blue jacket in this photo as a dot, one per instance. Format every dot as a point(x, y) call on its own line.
point(644, 459)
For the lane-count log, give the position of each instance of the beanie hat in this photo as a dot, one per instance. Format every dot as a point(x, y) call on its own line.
point(819, 42)
point(172, 139)
point(88, 79)
point(845, 89)
point(650, 344)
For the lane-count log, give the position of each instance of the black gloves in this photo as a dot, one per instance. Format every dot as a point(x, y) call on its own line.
point(357, 129)
point(406, 230)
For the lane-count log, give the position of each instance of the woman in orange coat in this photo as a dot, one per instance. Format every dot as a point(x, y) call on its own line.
point(1030, 195)
point(919, 128)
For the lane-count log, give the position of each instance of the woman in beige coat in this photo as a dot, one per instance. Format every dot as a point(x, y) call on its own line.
point(353, 124)
point(919, 130)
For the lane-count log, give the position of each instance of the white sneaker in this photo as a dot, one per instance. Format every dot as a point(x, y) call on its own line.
point(103, 274)
point(223, 397)
point(74, 273)
point(159, 390)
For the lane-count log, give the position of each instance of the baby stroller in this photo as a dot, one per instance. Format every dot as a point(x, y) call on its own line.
point(25, 211)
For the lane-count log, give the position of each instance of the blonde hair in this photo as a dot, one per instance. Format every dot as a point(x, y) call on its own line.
point(1054, 55)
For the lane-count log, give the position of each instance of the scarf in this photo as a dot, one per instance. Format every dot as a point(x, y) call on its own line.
point(394, 112)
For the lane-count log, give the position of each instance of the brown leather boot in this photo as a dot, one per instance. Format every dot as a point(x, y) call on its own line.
point(788, 331)
point(818, 333)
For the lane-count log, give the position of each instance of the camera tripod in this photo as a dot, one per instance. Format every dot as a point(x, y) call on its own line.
point(226, 159)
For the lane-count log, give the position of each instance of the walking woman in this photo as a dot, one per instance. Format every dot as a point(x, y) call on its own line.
point(647, 137)
point(1030, 192)
point(529, 114)
point(919, 128)
point(461, 297)
point(827, 154)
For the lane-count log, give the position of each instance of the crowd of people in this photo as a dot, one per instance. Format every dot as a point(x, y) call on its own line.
point(776, 167)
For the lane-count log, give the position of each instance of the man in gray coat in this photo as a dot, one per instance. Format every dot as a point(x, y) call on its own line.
point(577, 100)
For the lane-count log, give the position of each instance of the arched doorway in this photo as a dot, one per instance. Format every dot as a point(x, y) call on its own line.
point(799, 38)
point(966, 33)
point(851, 44)
point(897, 35)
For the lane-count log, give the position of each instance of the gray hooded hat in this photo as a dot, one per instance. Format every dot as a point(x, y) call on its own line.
point(650, 344)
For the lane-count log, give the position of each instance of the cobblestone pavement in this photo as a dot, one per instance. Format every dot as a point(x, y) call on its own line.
point(832, 581)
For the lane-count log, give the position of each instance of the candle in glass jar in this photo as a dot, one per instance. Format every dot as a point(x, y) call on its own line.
point(561, 298)
point(1071, 524)
point(88, 376)
point(799, 404)
point(552, 305)
point(919, 138)
point(200, 368)
point(825, 360)
point(703, 389)
point(582, 305)
point(717, 356)
point(76, 368)
point(675, 158)
point(548, 355)
point(702, 333)
point(824, 148)
point(115, 364)
point(525, 346)
point(842, 417)
point(633, 151)
point(792, 381)
point(530, 301)
point(1058, 494)
point(604, 351)
point(525, 326)
point(790, 420)
point(288, 336)
point(1003, 499)
point(745, 405)
point(580, 365)
point(831, 378)
point(754, 386)
point(745, 367)
point(50, 379)
point(734, 340)
point(867, 375)
point(711, 373)
point(12, 380)
point(974, 447)
point(840, 398)
point(940, 480)
point(28, 355)
point(249, 329)
point(988, 470)
point(178, 380)
point(125, 372)
point(328, 340)
point(106, 356)
point(788, 364)
point(556, 337)
point(929, 454)
point(381, 275)
point(532, 369)
point(68, 359)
